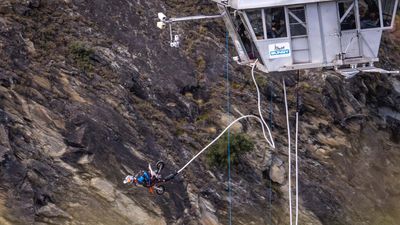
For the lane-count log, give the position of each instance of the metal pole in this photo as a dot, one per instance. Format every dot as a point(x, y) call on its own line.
point(187, 18)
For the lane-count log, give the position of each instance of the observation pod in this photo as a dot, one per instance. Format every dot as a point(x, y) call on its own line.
point(302, 34)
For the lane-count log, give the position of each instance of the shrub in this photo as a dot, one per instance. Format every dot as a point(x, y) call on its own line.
point(218, 153)
point(81, 54)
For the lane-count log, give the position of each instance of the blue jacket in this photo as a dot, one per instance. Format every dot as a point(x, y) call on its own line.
point(144, 178)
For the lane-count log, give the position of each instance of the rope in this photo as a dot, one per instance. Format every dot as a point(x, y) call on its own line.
point(270, 181)
point(290, 163)
point(297, 170)
point(296, 155)
point(229, 141)
point(259, 118)
point(259, 108)
point(219, 136)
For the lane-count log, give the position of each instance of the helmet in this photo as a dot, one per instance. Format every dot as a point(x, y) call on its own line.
point(129, 179)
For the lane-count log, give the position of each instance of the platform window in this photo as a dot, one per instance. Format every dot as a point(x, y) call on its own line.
point(276, 22)
point(346, 14)
point(388, 9)
point(245, 37)
point(369, 14)
point(297, 21)
point(255, 18)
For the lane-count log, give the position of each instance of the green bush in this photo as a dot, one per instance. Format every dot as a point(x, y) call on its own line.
point(81, 54)
point(217, 155)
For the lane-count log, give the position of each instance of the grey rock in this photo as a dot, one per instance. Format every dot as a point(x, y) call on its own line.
point(207, 210)
point(277, 174)
point(51, 210)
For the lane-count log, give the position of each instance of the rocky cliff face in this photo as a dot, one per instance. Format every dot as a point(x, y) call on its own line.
point(90, 91)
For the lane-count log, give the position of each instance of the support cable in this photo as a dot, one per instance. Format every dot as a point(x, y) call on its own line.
point(296, 148)
point(270, 181)
point(229, 141)
point(289, 159)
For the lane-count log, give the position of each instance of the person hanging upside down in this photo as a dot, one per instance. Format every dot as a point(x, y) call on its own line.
point(151, 179)
point(143, 178)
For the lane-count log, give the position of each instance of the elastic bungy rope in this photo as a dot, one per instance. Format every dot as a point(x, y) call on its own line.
point(229, 141)
point(219, 136)
point(262, 123)
point(272, 143)
point(270, 181)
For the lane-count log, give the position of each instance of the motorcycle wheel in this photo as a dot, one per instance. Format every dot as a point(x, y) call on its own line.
point(160, 166)
point(160, 190)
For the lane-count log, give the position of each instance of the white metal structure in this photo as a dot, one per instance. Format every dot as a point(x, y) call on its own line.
point(301, 34)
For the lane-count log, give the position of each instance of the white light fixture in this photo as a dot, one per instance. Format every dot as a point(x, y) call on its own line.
point(161, 25)
point(162, 16)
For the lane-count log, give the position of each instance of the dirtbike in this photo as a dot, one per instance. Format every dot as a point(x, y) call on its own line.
point(156, 182)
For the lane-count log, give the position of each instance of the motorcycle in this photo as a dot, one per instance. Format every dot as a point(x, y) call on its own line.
point(156, 182)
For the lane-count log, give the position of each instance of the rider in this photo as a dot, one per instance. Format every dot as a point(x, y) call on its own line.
point(144, 179)
point(150, 179)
